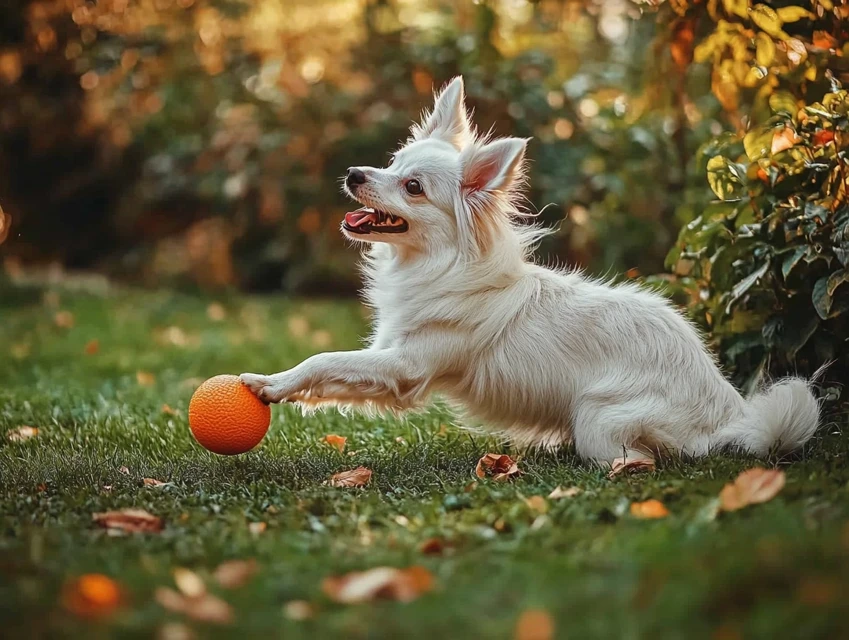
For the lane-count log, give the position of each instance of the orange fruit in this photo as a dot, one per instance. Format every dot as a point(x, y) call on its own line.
point(226, 418)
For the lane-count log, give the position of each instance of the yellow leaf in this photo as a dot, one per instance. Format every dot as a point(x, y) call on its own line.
point(736, 7)
point(792, 14)
point(767, 19)
point(765, 49)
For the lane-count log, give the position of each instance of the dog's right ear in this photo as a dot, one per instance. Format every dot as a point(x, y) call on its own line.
point(449, 120)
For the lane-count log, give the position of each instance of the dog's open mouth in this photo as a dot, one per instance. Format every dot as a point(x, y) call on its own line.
point(367, 220)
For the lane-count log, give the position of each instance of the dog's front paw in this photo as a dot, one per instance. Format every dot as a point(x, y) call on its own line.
point(264, 387)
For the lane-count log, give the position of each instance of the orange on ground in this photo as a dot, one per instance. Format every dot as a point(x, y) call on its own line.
point(226, 418)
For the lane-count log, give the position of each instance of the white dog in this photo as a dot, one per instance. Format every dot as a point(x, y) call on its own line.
point(546, 357)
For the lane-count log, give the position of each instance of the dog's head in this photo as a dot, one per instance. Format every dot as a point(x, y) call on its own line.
point(446, 187)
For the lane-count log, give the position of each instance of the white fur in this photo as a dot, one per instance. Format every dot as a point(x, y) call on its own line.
point(547, 357)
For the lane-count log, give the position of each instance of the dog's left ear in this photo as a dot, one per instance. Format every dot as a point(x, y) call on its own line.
point(493, 168)
point(448, 121)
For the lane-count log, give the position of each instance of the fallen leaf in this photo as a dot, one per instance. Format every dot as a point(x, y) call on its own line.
point(537, 503)
point(560, 492)
point(534, 624)
point(499, 466)
point(387, 583)
point(823, 137)
point(256, 528)
point(169, 411)
point(299, 327)
point(298, 610)
point(335, 441)
point(20, 350)
point(64, 319)
point(41, 487)
point(22, 434)
point(751, 487)
point(132, 520)
point(92, 347)
point(205, 608)
point(400, 440)
point(175, 631)
point(621, 465)
point(216, 312)
point(107, 487)
point(92, 595)
point(358, 477)
point(783, 139)
point(124, 470)
point(650, 509)
point(433, 547)
point(189, 583)
point(235, 573)
point(152, 482)
point(321, 339)
point(145, 378)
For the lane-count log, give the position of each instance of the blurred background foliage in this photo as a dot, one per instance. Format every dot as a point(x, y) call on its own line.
point(200, 142)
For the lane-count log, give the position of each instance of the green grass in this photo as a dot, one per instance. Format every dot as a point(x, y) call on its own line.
point(780, 569)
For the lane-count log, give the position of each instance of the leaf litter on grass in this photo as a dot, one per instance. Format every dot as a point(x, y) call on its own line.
point(500, 466)
point(193, 600)
point(753, 486)
point(22, 434)
point(388, 583)
point(358, 477)
point(93, 595)
point(534, 624)
point(337, 442)
point(129, 520)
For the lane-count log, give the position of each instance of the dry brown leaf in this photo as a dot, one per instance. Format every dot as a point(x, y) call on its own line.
point(433, 546)
point(145, 378)
point(358, 477)
point(338, 442)
point(621, 465)
point(784, 139)
point(64, 319)
point(235, 573)
point(560, 492)
point(537, 503)
point(216, 312)
point(92, 347)
point(175, 631)
point(534, 624)
point(256, 528)
point(321, 339)
point(22, 434)
point(751, 487)
point(205, 608)
point(498, 465)
point(169, 411)
point(132, 520)
point(387, 583)
point(152, 482)
point(124, 470)
point(298, 610)
point(648, 510)
point(92, 595)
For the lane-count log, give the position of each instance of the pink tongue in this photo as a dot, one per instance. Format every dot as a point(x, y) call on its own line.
point(357, 218)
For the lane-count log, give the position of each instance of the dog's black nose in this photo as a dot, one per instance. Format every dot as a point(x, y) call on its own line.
point(355, 178)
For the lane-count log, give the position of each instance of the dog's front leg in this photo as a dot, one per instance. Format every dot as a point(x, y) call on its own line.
point(339, 376)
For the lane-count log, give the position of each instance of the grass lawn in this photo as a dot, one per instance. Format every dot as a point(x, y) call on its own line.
point(779, 569)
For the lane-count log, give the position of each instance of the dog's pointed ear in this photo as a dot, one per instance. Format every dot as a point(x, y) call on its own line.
point(494, 167)
point(449, 120)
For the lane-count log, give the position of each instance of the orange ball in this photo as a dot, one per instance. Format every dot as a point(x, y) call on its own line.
point(226, 418)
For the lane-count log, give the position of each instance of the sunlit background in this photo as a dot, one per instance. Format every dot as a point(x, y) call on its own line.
point(200, 142)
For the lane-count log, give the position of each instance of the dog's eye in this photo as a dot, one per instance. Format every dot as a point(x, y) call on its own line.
point(414, 187)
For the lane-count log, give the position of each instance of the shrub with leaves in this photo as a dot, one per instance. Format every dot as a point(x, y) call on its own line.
point(765, 265)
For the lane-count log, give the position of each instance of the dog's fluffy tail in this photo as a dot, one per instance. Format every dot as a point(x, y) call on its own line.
point(781, 418)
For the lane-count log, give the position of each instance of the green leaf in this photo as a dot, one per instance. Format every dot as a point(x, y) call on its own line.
point(783, 102)
point(835, 280)
point(758, 142)
point(722, 178)
point(796, 335)
point(767, 19)
point(791, 260)
point(764, 49)
point(745, 284)
point(792, 14)
point(821, 298)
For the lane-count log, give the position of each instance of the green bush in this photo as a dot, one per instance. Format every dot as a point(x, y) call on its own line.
point(764, 267)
